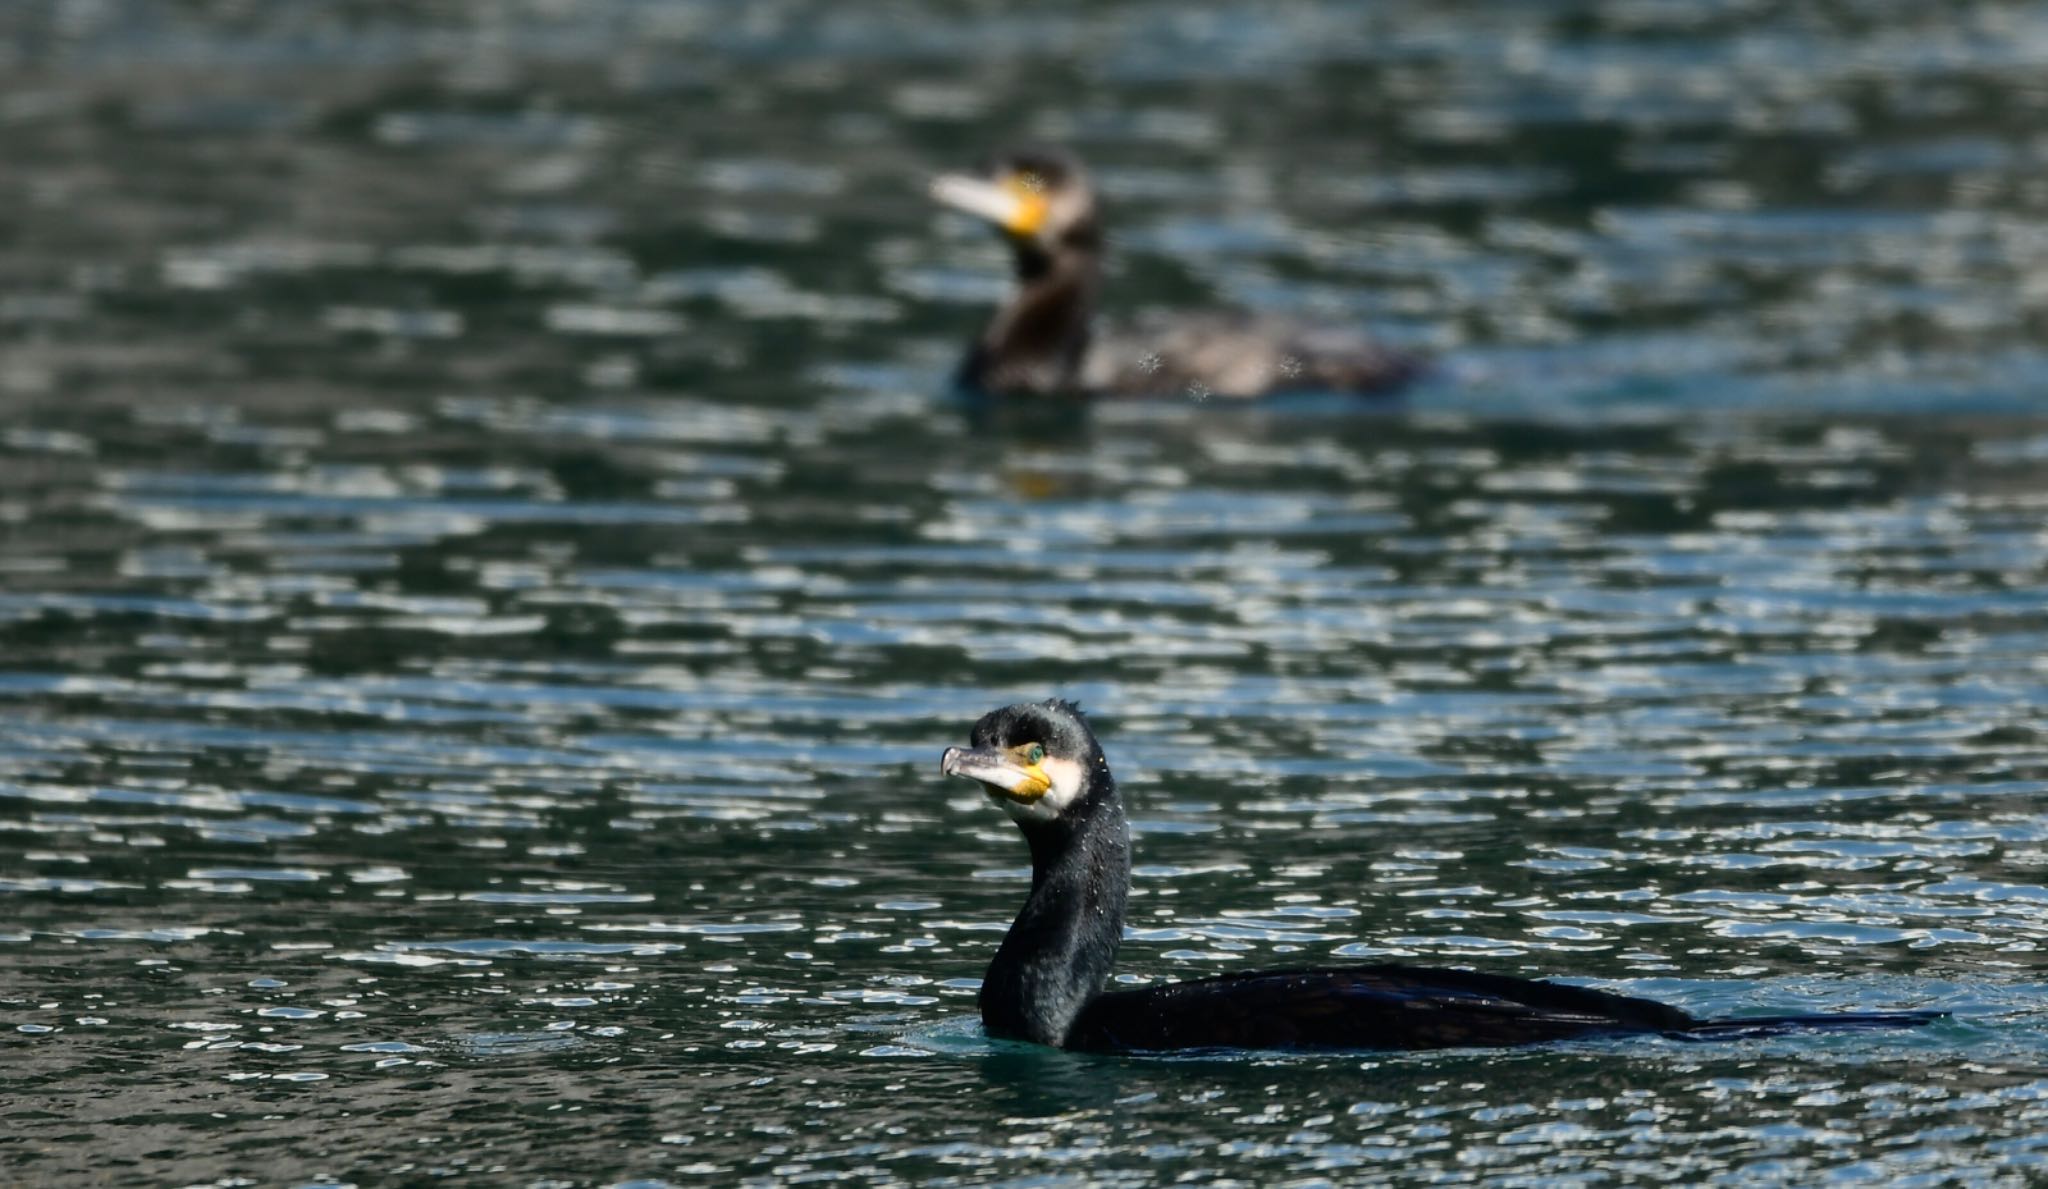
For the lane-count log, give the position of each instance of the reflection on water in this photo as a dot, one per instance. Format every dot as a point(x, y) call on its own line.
point(485, 580)
point(598, 781)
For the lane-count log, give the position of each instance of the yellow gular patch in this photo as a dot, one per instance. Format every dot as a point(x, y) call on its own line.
point(1024, 782)
point(1029, 191)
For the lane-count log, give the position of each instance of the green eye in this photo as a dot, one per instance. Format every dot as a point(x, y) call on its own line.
point(1034, 755)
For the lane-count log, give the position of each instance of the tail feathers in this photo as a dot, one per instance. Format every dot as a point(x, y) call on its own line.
point(1737, 1028)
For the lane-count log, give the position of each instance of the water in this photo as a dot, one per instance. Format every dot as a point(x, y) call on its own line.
point(486, 576)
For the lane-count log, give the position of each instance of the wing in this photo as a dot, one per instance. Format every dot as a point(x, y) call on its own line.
point(1361, 1007)
point(1235, 355)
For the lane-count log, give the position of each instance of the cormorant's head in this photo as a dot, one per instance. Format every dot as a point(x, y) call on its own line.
point(1038, 197)
point(1035, 759)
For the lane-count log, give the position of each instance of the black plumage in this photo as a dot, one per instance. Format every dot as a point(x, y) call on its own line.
point(1043, 764)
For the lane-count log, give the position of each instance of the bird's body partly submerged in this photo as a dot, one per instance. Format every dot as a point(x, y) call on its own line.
point(1044, 341)
point(1041, 762)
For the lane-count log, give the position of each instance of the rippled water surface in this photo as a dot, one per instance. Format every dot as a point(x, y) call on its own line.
point(487, 570)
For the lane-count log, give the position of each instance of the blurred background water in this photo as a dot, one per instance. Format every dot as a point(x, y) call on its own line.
point(486, 572)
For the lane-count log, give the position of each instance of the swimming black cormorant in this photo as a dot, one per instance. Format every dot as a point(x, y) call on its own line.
point(1044, 340)
point(1041, 763)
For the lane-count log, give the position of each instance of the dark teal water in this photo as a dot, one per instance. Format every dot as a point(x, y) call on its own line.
point(486, 574)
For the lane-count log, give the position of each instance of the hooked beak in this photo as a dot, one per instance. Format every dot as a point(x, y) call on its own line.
point(998, 772)
point(1009, 203)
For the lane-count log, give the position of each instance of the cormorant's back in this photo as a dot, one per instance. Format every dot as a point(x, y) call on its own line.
point(1361, 1007)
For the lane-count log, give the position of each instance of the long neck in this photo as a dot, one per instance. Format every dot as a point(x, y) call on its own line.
point(1061, 948)
point(1037, 341)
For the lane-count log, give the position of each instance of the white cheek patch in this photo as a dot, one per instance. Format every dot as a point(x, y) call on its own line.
point(1068, 778)
point(1069, 206)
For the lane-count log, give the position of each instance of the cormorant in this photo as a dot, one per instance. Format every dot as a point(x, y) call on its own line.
point(1041, 763)
point(1043, 341)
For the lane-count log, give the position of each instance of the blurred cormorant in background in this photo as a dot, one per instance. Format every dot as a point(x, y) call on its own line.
point(1044, 339)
